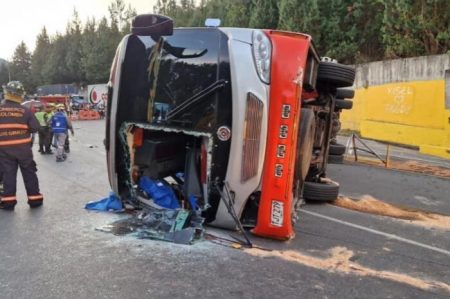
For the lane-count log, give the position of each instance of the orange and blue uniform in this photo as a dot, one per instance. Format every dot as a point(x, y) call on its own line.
point(16, 124)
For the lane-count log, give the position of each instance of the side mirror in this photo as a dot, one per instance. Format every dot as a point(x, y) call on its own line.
point(152, 25)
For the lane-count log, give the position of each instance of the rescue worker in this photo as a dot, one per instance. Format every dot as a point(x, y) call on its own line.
point(49, 111)
point(67, 142)
point(16, 124)
point(60, 125)
point(44, 131)
point(50, 108)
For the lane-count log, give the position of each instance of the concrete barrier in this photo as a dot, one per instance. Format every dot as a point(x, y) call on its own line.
point(88, 115)
point(405, 101)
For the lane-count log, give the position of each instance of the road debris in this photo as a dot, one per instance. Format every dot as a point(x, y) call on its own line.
point(408, 165)
point(178, 226)
point(368, 204)
point(110, 203)
point(339, 261)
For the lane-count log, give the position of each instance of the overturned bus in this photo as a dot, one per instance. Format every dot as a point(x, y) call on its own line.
point(236, 121)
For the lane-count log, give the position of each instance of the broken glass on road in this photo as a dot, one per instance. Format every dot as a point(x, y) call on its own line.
point(178, 226)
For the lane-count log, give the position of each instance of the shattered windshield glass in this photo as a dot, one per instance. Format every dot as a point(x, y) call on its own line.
point(181, 67)
point(178, 226)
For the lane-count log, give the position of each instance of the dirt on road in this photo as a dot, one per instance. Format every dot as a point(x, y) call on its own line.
point(368, 204)
point(339, 261)
point(408, 165)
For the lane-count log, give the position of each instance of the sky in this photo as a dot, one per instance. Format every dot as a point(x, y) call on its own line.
point(23, 20)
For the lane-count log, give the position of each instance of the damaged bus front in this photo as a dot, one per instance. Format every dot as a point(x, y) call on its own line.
point(212, 114)
point(170, 117)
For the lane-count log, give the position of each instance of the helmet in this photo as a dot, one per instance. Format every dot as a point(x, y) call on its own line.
point(14, 91)
point(60, 107)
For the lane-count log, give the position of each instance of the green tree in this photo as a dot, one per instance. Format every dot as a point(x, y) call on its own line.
point(166, 7)
point(20, 67)
point(264, 14)
point(364, 22)
point(40, 57)
point(182, 12)
point(128, 17)
point(98, 50)
point(88, 47)
point(73, 53)
point(420, 27)
point(215, 9)
point(237, 13)
point(337, 31)
point(121, 16)
point(161, 7)
point(199, 15)
point(55, 70)
point(116, 10)
point(4, 72)
point(185, 12)
point(300, 16)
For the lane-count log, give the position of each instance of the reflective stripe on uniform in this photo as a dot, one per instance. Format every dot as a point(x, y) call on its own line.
point(35, 197)
point(13, 126)
point(16, 141)
point(8, 198)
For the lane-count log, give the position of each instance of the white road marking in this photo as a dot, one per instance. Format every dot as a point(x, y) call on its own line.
point(377, 232)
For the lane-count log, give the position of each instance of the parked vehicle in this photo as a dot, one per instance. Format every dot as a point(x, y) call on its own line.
point(237, 118)
point(55, 99)
point(78, 102)
point(57, 89)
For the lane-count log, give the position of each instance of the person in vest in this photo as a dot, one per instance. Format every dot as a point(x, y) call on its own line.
point(16, 124)
point(44, 131)
point(60, 125)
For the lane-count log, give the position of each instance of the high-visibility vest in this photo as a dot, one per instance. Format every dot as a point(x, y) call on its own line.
point(16, 124)
point(40, 116)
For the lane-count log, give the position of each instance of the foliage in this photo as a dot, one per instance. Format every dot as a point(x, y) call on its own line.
point(4, 73)
point(237, 13)
point(20, 66)
point(351, 31)
point(416, 27)
point(40, 57)
point(98, 48)
point(366, 19)
point(73, 54)
point(121, 16)
point(264, 14)
point(300, 16)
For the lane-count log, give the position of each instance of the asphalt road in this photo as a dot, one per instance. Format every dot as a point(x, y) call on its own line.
point(55, 251)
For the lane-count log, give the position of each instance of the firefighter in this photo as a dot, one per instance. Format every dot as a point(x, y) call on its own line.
point(16, 124)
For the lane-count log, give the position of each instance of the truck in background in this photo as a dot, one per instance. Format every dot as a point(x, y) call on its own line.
point(57, 89)
point(55, 99)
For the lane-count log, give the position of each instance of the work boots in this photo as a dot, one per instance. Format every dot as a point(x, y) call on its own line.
point(35, 201)
point(8, 203)
point(35, 204)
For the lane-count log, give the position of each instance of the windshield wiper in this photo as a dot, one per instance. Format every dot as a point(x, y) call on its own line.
point(196, 98)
